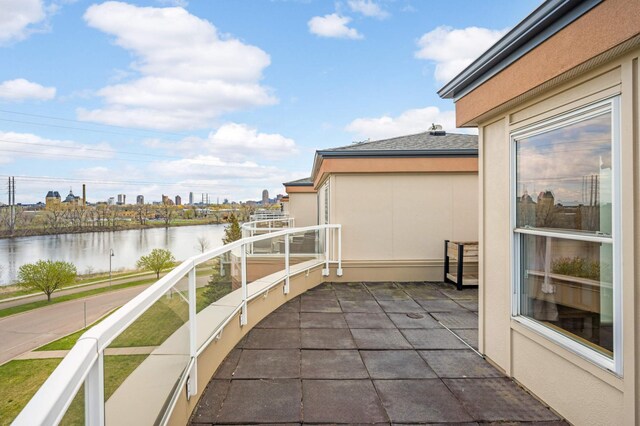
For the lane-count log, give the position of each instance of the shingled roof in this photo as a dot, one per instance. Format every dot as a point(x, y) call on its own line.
point(300, 182)
point(418, 144)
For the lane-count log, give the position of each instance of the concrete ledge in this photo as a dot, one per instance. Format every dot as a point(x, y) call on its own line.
point(405, 270)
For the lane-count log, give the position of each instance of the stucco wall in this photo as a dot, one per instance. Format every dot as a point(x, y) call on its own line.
point(402, 219)
point(303, 207)
point(578, 389)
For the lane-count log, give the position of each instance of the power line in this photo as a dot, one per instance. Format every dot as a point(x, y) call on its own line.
point(86, 157)
point(93, 124)
point(112, 182)
point(90, 149)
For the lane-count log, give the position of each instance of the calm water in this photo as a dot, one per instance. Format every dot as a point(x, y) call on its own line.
point(90, 251)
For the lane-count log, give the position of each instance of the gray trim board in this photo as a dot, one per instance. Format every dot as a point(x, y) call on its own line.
point(548, 19)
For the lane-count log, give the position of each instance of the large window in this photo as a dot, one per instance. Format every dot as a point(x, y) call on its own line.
point(566, 237)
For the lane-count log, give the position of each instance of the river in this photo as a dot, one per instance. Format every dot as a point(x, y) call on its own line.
point(89, 252)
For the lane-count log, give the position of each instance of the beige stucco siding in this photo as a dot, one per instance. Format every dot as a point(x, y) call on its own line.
point(404, 217)
point(303, 208)
point(579, 390)
point(494, 174)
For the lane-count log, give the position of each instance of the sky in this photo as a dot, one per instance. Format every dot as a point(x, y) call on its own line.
point(221, 97)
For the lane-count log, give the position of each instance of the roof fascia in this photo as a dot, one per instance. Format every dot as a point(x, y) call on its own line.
point(548, 19)
point(399, 154)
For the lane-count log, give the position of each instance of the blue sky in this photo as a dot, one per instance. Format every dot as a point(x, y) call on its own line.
point(225, 97)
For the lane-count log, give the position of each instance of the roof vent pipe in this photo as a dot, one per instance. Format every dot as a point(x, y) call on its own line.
point(436, 130)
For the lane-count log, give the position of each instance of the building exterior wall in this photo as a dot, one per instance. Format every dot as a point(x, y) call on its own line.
point(303, 208)
point(573, 46)
point(399, 221)
point(579, 390)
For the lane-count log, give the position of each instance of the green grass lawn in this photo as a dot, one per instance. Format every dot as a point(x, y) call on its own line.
point(20, 379)
point(116, 369)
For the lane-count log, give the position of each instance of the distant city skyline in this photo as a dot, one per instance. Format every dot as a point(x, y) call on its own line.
point(157, 109)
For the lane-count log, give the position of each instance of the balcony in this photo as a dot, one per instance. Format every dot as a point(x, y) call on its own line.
point(366, 353)
point(272, 332)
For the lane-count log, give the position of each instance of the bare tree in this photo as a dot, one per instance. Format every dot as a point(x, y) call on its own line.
point(56, 215)
point(166, 212)
point(142, 213)
point(203, 244)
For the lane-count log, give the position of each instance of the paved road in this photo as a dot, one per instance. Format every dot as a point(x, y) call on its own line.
point(41, 296)
point(29, 330)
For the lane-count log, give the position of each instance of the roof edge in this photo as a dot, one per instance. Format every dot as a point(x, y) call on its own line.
point(401, 154)
point(297, 184)
point(541, 24)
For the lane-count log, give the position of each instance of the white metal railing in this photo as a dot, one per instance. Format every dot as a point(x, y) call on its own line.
point(268, 214)
point(264, 226)
point(84, 364)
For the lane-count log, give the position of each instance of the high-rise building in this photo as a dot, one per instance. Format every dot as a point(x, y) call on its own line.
point(140, 199)
point(191, 198)
point(265, 197)
point(111, 201)
point(167, 200)
point(178, 200)
point(122, 199)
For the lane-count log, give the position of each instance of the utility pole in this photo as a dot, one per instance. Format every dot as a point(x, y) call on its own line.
point(12, 204)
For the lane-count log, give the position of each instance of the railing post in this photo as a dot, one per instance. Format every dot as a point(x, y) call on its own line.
point(193, 344)
point(286, 263)
point(243, 266)
point(325, 271)
point(339, 271)
point(94, 394)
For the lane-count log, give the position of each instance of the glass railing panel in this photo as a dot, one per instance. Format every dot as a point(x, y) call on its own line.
point(217, 282)
point(307, 245)
point(144, 364)
point(75, 413)
point(214, 302)
point(266, 259)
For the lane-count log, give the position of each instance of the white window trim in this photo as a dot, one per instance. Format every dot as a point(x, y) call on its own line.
point(611, 105)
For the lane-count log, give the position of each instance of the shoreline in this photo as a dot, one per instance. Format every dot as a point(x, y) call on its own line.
point(86, 230)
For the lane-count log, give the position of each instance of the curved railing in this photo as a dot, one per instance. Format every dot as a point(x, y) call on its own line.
point(258, 227)
point(189, 319)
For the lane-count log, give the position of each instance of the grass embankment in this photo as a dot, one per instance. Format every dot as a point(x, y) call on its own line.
point(14, 290)
point(7, 292)
point(145, 331)
point(20, 379)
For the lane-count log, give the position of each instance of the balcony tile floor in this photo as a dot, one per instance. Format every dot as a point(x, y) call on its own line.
point(367, 353)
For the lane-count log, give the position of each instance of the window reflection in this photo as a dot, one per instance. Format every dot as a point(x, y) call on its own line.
point(567, 285)
point(564, 177)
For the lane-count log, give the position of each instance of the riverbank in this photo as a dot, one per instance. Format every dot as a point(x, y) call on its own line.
point(90, 252)
point(125, 226)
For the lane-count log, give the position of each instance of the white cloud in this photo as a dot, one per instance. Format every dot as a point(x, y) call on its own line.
point(334, 26)
point(21, 89)
point(188, 73)
point(409, 122)
point(368, 8)
point(234, 142)
point(454, 49)
point(178, 3)
point(27, 145)
point(17, 18)
point(241, 141)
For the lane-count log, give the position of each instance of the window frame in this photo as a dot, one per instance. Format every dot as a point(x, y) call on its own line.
point(609, 105)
